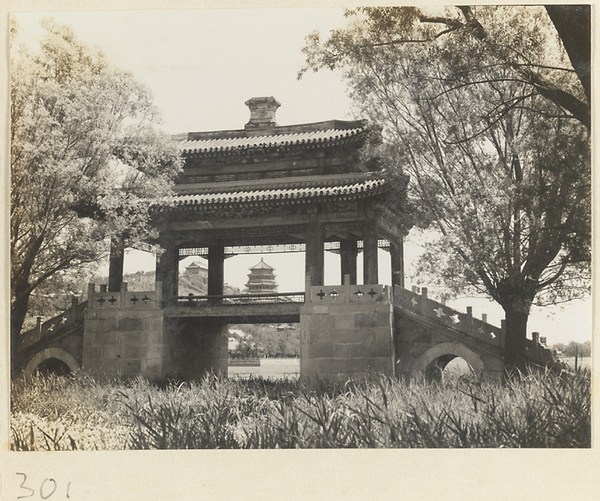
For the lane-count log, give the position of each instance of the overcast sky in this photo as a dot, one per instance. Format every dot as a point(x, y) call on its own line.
point(202, 65)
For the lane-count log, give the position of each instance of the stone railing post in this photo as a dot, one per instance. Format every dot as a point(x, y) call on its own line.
point(71, 313)
point(424, 301)
point(536, 341)
point(470, 320)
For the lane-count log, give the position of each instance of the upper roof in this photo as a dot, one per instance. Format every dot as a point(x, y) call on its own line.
point(194, 265)
point(326, 133)
point(262, 266)
point(269, 164)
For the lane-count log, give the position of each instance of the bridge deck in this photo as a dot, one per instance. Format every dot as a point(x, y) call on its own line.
point(240, 313)
point(239, 308)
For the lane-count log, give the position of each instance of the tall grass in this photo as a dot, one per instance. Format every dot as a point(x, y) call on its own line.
point(63, 413)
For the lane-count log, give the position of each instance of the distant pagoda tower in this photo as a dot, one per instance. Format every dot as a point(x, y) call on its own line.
point(261, 279)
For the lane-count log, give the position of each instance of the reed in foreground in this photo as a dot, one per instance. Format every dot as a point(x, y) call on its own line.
point(542, 410)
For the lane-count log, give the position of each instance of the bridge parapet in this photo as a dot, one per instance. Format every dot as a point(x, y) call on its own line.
point(338, 294)
point(421, 305)
point(53, 326)
point(124, 299)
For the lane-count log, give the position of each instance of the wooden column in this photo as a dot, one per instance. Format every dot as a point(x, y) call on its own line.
point(397, 258)
point(315, 252)
point(216, 271)
point(115, 265)
point(348, 253)
point(167, 272)
point(370, 265)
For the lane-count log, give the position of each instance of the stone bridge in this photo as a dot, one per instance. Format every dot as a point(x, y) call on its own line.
point(346, 329)
point(298, 188)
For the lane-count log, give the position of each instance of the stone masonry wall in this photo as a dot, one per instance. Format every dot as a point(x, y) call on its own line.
point(346, 330)
point(196, 346)
point(123, 334)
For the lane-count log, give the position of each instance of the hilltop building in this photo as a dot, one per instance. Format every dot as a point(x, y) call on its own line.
point(195, 269)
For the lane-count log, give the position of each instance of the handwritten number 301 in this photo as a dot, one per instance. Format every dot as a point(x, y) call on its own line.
point(47, 488)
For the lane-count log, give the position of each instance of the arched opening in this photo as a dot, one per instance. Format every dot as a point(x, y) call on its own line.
point(53, 366)
point(447, 365)
point(52, 360)
point(447, 358)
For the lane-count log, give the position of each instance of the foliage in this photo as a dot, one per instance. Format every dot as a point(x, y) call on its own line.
point(499, 166)
point(269, 340)
point(54, 413)
point(540, 410)
point(574, 348)
point(87, 160)
point(515, 42)
point(53, 296)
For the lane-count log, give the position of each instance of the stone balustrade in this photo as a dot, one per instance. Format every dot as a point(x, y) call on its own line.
point(54, 325)
point(464, 322)
point(338, 294)
point(124, 299)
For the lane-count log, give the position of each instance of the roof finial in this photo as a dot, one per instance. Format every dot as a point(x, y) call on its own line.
point(262, 112)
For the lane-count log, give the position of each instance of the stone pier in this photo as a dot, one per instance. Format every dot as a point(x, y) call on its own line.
point(123, 333)
point(346, 330)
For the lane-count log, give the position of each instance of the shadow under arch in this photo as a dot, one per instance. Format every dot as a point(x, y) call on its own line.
point(49, 354)
point(433, 361)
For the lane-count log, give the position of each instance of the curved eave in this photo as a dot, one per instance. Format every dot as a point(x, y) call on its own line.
point(284, 196)
point(286, 142)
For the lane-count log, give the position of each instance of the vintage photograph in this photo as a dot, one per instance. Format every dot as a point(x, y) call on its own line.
point(309, 228)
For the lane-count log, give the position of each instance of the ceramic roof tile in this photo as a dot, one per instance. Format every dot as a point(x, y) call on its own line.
point(243, 142)
point(356, 188)
point(269, 184)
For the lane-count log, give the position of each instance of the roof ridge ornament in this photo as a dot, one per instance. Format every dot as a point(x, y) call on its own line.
point(262, 112)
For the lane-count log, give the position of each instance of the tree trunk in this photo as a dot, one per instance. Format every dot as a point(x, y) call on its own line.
point(515, 342)
point(18, 311)
point(573, 24)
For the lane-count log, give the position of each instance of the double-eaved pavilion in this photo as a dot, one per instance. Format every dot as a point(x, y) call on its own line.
point(272, 188)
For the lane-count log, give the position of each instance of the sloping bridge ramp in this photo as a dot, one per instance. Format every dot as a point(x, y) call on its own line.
point(56, 344)
point(428, 335)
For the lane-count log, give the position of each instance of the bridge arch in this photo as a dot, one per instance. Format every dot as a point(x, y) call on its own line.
point(435, 358)
point(50, 355)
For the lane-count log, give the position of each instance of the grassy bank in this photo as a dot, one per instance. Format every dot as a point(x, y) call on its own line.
point(67, 413)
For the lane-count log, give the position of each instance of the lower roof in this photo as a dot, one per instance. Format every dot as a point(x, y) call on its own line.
point(300, 189)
